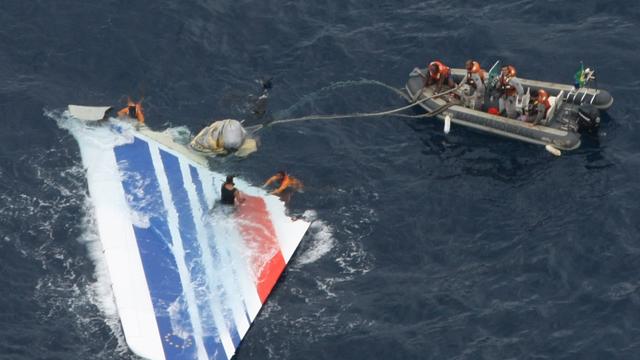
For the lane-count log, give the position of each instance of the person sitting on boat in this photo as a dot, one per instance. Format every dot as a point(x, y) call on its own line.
point(229, 195)
point(539, 108)
point(509, 87)
point(474, 83)
point(286, 182)
point(438, 73)
point(133, 111)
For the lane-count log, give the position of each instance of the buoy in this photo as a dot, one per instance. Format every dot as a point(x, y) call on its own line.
point(553, 150)
point(447, 124)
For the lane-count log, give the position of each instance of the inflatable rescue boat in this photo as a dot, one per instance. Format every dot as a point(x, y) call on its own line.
point(187, 281)
point(571, 111)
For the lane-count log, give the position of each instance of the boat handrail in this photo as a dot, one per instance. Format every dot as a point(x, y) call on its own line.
point(555, 101)
point(560, 98)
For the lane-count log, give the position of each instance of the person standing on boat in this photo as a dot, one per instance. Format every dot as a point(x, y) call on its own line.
point(437, 74)
point(509, 87)
point(475, 81)
point(229, 195)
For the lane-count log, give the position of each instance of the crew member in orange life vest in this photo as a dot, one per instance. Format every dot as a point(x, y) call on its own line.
point(286, 181)
point(475, 80)
point(509, 87)
point(437, 74)
point(539, 108)
point(133, 111)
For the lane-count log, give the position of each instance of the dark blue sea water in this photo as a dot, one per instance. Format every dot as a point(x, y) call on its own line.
point(426, 246)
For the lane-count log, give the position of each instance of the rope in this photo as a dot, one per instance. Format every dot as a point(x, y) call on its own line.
point(392, 112)
point(328, 89)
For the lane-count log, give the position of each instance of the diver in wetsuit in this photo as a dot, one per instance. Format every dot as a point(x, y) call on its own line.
point(133, 111)
point(229, 194)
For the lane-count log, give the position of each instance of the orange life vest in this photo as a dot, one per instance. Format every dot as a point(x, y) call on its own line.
point(133, 110)
point(475, 69)
point(285, 183)
point(506, 87)
point(547, 105)
point(443, 70)
point(290, 181)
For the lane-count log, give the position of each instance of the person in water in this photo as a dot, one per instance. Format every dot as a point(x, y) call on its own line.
point(439, 73)
point(509, 87)
point(133, 111)
point(285, 180)
point(229, 195)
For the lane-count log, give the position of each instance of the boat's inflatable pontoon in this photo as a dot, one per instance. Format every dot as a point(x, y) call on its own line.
point(187, 281)
point(571, 109)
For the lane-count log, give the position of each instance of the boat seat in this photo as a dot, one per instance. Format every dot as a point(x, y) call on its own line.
point(522, 101)
point(552, 109)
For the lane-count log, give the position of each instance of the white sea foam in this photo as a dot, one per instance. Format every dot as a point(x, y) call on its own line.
point(81, 292)
point(100, 293)
point(102, 136)
point(323, 239)
point(179, 134)
point(178, 325)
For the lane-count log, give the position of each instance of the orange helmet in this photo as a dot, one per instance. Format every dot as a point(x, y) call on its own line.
point(509, 71)
point(434, 68)
point(542, 95)
point(468, 64)
point(472, 66)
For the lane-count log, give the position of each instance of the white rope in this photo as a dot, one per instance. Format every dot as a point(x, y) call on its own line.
point(364, 115)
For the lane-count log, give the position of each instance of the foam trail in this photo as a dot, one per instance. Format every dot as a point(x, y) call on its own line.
point(322, 235)
point(99, 292)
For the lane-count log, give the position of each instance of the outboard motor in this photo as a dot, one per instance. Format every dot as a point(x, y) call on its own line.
point(588, 117)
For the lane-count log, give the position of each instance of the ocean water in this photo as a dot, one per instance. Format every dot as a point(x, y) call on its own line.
point(423, 246)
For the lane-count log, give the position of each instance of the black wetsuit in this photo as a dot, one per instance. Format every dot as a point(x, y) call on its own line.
point(227, 196)
point(133, 113)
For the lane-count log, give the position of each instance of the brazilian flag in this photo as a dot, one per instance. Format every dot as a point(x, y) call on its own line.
point(580, 77)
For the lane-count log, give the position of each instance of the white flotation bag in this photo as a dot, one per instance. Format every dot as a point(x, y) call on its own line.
point(222, 137)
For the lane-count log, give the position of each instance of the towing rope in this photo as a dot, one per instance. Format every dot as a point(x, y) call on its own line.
point(392, 112)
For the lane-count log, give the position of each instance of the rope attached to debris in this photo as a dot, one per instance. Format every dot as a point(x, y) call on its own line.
point(392, 112)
